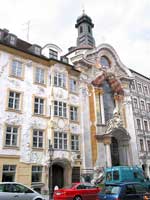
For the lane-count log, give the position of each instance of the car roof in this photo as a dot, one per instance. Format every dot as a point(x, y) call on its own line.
point(123, 183)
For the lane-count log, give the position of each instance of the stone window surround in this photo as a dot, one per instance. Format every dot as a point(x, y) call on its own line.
point(18, 136)
point(20, 100)
point(37, 82)
point(44, 106)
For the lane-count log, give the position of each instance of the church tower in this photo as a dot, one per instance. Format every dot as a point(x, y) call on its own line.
point(85, 37)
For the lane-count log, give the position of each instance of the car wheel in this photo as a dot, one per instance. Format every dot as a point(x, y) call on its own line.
point(38, 199)
point(77, 198)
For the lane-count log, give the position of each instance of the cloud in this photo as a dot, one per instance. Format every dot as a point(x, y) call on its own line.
point(123, 24)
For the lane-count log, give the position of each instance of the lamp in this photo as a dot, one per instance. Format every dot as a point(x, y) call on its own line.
point(51, 153)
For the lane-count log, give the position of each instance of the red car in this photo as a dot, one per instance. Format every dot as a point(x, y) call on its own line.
point(77, 191)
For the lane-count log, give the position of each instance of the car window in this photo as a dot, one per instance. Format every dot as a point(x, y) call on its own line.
point(130, 189)
point(1, 188)
point(21, 189)
point(81, 187)
point(140, 189)
point(116, 175)
point(7, 188)
point(108, 176)
point(111, 189)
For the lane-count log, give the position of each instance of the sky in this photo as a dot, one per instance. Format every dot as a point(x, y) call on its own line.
point(123, 24)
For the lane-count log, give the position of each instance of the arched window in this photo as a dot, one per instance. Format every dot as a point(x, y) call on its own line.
point(105, 62)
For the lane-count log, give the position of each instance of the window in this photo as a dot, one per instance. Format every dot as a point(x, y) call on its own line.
point(133, 85)
point(53, 54)
point(39, 75)
point(130, 189)
point(73, 113)
point(145, 125)
point(135, 103)
point(148, 145)
point(17, 69)
point(105, 62)
point(12, 40)
point(138, 121)
point(59, 80)
point(73, 85)
point(145, 89)
point(14, 100)
point(60, 109)
point(9, 172)
point(89, 29)
point(38, 106)
point(37, 50)
point(116, 175)
point(148, 107)
point(139, 86)
point(11, 137)
point(36, 174)
point(60, 140)
point(81, 29)
point(142, 105)
point(75, 142)
point(141, 145)
point(38, 138)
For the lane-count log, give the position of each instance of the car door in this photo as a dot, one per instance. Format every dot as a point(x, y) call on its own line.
point(22, 193)
point(83, 192)
point(130, 193)
point(92, 192)
point(6, 192)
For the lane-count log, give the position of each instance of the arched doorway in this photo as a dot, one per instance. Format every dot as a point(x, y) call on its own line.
point(58, 175)
point(114, 152)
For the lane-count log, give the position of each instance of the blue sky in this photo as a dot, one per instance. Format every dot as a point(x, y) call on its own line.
point(124, 24)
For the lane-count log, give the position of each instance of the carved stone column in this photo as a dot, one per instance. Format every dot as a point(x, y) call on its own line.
point(107, 142)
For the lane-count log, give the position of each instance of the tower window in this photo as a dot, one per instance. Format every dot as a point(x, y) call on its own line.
point(105, 62)
point(81, 29)
point(89, 29)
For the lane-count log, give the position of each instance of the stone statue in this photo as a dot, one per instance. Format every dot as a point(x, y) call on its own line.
point(115, 122)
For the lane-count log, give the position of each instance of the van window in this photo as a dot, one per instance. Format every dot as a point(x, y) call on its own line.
point(140, 189)
point(108, 176)
point(116, 175)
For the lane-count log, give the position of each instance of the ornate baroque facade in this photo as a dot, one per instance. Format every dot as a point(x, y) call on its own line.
point(93, 109)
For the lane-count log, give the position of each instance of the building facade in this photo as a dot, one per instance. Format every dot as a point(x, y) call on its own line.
point(87, 103)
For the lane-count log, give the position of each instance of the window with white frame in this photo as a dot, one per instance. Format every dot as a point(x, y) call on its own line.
point(148, 145)
point(146, 90)
point(141, 145)
point(145, 125)
point(142, 105)
point(38, 106)
point(133, 85)
point(135, 103)
point(59, 80)
point(138, 122)
point(73, 113)
point(37, 138)
point(73, 85)
point(60, 109)
point(148, 107)
point(53, 54)
point(36, 174)
point(17, 69)
point(39, 75)
point(12, 40)
point(14, 100)
point(9, 172)
point(60, 140)
point(11, 136)
point(75, 142)
point(139, 86)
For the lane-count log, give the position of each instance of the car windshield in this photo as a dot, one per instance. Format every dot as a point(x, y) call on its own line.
point(70, 186)
point(111, 189)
